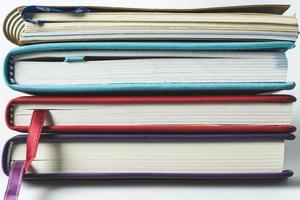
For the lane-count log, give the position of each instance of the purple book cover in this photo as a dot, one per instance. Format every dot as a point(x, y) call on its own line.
point(157, 138)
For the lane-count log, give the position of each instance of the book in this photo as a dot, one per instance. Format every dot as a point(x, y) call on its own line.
point(138, 67)
point(185, 114)
point(233, 156)
point(41, 24)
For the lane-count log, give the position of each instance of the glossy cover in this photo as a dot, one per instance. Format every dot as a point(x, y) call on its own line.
point(226, 87)
point(152, 138)
point(155, 99)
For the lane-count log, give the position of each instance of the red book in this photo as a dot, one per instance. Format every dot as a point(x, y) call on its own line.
point(157, 114)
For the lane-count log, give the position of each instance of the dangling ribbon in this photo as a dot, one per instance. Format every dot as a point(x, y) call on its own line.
point(33, 137)
point(18, 168)
point(14, 180)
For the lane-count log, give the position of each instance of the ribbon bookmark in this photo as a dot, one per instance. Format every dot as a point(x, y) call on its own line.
point(33, 137)
point(14, 180)
point(19, 167)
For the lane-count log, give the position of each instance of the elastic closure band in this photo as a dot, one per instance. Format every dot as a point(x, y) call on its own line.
point(33, 137)
point(14, 180)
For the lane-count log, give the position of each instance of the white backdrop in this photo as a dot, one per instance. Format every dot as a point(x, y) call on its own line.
point(110, 190)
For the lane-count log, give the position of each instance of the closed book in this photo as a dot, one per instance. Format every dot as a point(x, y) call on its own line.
point(160, 156)
point(42, 24)
point(185, 114)
point(148, 67)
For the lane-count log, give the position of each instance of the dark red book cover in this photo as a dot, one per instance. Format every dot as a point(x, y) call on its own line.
point(156, 128)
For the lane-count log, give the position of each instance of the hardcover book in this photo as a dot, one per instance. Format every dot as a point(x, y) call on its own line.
point(137, 93)
point(187, 114)
point(231, 156)
point(153, 67)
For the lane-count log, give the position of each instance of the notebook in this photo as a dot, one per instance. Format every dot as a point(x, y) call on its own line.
point(153, 156)
point(157, 67)
point(40, 24)
point(100, 156)
point(172, 114)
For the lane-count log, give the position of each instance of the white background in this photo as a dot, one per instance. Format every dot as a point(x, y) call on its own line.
point(133, 190)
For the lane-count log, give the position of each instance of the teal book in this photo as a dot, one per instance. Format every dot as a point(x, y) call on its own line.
point(148, 67)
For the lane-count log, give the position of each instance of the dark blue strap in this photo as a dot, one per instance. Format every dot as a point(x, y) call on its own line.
point(25, 14)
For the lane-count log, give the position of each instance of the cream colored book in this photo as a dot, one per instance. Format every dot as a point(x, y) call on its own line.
point(39, 24)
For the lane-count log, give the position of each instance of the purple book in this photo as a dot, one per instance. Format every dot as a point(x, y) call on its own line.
point(160, 156)
point(163, 156)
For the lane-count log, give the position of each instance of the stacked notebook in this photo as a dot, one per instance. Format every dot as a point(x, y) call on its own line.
point(40, 24)
point(130, 93)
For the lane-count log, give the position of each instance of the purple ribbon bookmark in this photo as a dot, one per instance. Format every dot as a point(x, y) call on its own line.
point(19, 167)
point(14, 180)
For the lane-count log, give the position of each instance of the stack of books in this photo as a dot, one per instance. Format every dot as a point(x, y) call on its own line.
point(148, 93)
